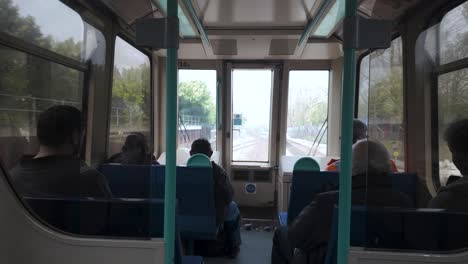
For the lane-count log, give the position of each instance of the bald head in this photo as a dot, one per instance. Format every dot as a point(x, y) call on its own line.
point(370, 157)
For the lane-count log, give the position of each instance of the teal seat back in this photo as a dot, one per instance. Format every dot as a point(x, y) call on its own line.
point(199, 161)
point(306, 164)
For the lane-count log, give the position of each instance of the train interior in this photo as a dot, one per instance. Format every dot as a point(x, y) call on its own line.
point(261, 80)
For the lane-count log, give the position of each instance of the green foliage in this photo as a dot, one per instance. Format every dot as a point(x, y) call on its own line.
point(131, 91)
point(23, 76)
point(195, 100)
point(386, 98)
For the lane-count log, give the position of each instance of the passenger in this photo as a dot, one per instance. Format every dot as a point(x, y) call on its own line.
point(454, 196)
point(56, 171)
point(309, 232)
point(359, 132)
point(135, 151)
point(227, 212)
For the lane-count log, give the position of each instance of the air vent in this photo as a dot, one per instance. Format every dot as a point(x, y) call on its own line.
point(282, 46)
point(262, 176)
point(240, 175)
point(224, 46)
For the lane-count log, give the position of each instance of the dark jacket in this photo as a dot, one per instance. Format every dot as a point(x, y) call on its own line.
point(58, 177)
point(223, 192)
point(310, 231)
point(454, 196)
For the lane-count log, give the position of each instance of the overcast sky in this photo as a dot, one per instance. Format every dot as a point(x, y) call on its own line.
point(53, 17)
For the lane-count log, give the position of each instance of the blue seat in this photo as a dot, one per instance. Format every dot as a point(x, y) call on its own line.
point(130, 181)
point(74, 216)
point(135, 218)
point(358, 232)
point(195, 194)
point(405, 183)
point(305, 185)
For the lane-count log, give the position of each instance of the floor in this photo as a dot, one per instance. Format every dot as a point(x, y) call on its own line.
point(255, 249)
point(257, 228)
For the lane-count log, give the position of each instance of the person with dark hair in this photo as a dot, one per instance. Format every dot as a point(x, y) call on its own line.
point(359, 133)
point(454, 196)
point(56, 171)
point(227, 212)
point(135, 151)
point(309, 232)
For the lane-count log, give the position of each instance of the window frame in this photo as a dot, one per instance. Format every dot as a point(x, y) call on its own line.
point(286, 103)
point(125, 37)
point(210, 65)
point(435, 74)
point(369, 52)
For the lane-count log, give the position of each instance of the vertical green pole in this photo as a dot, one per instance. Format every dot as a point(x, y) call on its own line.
point(171, 143)
point(347, 110)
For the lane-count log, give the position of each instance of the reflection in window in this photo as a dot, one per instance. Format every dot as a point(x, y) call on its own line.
point(197, 106)
point(52, 26)
point(381, 99)
point(131, 95)
point(307, 113)
point(28, 86)
point(454, 35)
point(453, 105)
point(251, 105)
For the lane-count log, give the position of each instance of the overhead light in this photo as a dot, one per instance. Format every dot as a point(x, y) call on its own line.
point(185, 28)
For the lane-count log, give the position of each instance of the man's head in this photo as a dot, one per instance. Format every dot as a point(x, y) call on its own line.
point(359, 130)
point(136, 142)
point(59, 129)
point(370, 157)
point(201, 146)
point(456, 136)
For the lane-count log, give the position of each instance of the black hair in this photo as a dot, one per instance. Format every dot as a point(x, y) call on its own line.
point(201, 145)
point(135, 150)
point(456, 136)
point(359, 130)
point(57, 124)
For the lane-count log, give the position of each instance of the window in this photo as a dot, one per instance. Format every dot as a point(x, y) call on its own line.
point(454, 35)
point(197, 106)
point(131, 95)
point(50, 25)
point(452, 82)
point(453, 105)
point(251, 105)
point(28, 86)
point(381, 99)
point(307, 113)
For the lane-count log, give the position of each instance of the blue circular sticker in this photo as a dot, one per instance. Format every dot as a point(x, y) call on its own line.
point(250, 188)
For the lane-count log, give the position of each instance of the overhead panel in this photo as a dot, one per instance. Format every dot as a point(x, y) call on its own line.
point(254, 13)
point(131, 11)
point(185, 28)
point(224, 46)
point(282, 46)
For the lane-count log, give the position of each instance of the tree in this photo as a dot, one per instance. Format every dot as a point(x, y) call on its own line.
point(23, 76)
point(195, 100)
point(131, 92)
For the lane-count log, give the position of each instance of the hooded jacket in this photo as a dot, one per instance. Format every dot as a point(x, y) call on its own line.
point(452, 197)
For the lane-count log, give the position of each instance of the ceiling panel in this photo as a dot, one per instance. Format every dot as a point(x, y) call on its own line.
point(132, 10)
point(254, 13)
